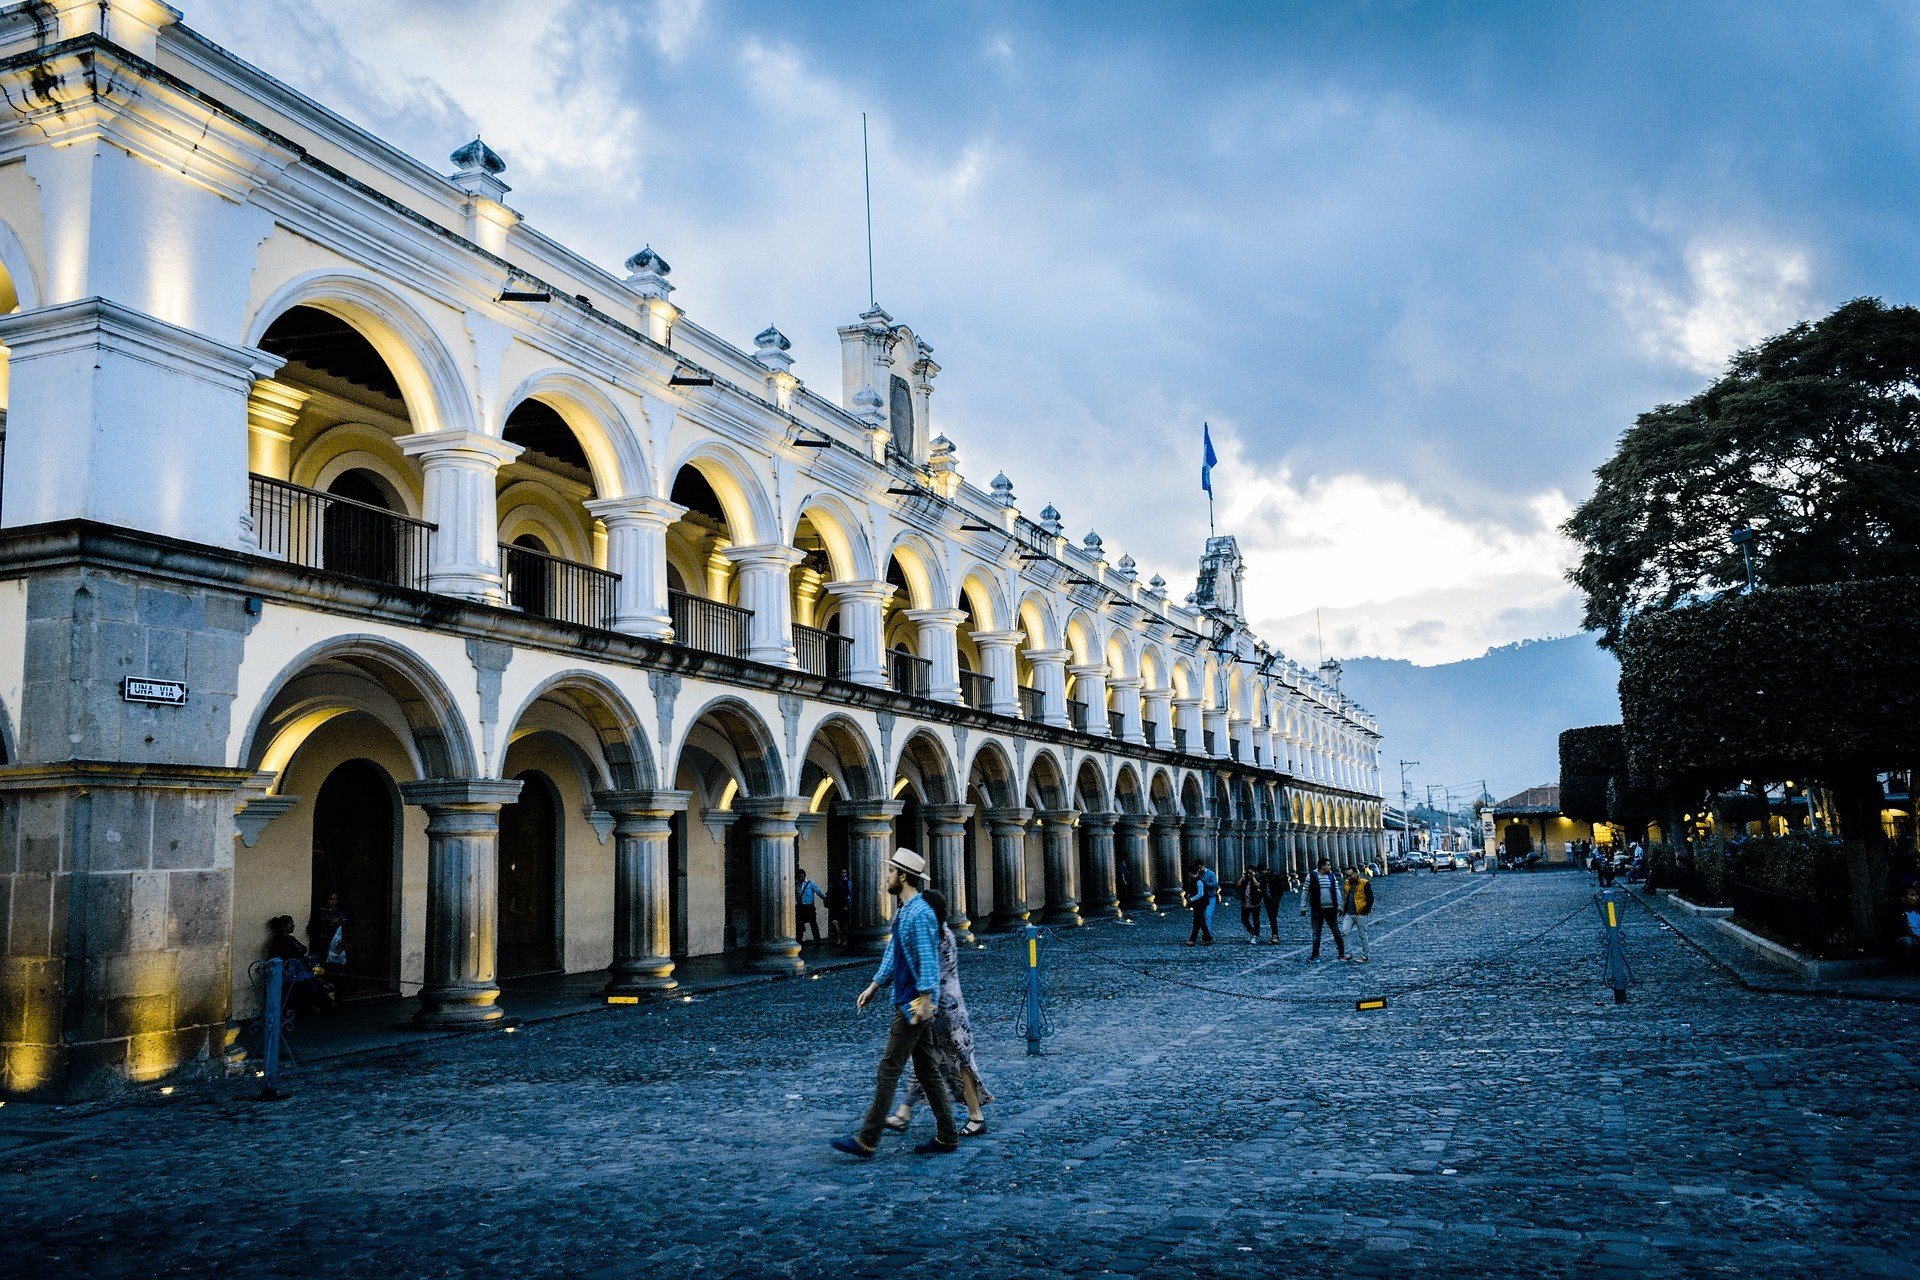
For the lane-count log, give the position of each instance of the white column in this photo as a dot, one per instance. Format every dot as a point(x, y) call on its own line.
point(272, 410)
point(1214, 720)
point(1157, 708)
point(1050, 678)
point(461, 470)
point(1186, 716)
point(766, 587)
point(1090, 687)
point(1126, 700)
point(940, 645)
point(637, 551)
point(997, 649)
point(863, 613)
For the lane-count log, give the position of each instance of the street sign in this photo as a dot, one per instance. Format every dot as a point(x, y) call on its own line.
point(165, 693)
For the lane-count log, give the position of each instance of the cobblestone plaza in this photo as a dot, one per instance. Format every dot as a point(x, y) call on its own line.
point(1501, 1117)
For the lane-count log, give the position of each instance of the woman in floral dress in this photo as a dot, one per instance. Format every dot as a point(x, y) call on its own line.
point(952, 1039)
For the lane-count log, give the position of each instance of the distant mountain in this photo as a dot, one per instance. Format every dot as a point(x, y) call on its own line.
point(1497, 717)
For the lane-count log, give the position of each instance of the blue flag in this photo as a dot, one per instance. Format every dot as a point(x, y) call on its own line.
point(1208, 459)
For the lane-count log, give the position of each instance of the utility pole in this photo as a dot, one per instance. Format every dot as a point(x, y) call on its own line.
point(1406, 813)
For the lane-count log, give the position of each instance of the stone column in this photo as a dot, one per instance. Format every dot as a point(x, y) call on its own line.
point(1090, 687)
point(870, 841)
point(463, 892)
point(1169, 889)
point(997, 650)
point(771, 944)
point(1199, 844)
point(1008, 828)
point(1240, 738)
point(1126, 700)
point(1227, 850)
point(1131, 848)
point(766, 587)
point(939, 644)
point(1063, 872)
point(1186, 717)
point(1214, 720)
point(642, 867)
point(1158, 710)
point(1050, 678)
point(273, 408)
point(637, 551)
point(460, 471)
point(863, 612)
point(947, 832)
point(1099, 897)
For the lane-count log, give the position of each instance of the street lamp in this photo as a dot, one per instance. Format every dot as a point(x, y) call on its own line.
point(1743, 539)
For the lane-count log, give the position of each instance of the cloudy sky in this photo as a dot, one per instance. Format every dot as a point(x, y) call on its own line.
point(1418, 264)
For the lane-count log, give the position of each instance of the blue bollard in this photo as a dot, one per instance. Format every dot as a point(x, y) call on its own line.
point(1616, 953)
point(1034, 1022)
point(272, 1022)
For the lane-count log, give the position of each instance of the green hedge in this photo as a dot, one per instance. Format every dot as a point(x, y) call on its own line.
point(1799, 681)
point(1591, 759)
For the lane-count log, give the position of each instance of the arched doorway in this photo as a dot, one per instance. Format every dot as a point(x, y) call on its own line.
point(354, 833)
point(358, 539)
point(530, 578)
point(529, 859)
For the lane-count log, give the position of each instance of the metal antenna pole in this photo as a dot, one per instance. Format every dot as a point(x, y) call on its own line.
point(866, 169)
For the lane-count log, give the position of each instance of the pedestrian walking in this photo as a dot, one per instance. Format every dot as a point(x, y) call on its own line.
point(1274, 891)
point(1358, 906)
point(806, 909)
point(1206, 892)
point(952, 1041)
point(910, 974)
point(1250, 890)
point(840, 911)
point(1321, 896)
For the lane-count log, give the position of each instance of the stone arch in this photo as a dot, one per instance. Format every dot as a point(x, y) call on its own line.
point(848, 548)
point(359, 446)
point(1183, 678)
point(731, 734)
point(980, 591)
point(603, 721)
point(1128, 794)
point(1162, 797)
point(1037, 618)
point(1153, 667)
point(1193, 797)
point(743, 497)
point(1046, 781)
point(1083, 638)
point(21, 275)
point(614, 453)
point(839, 756)
point(1091, 790)
point(436, 395)
point(1120, 654)
point(925, 759)
point(924, 570)
point(360, 674)
point(994, 768)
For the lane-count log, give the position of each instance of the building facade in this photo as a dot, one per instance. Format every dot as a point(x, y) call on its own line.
point(358, 539)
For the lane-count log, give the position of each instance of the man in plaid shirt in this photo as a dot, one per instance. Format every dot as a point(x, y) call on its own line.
point(911, 972)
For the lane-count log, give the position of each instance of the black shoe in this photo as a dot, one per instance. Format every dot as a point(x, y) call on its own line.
point(935, 1147)
point(853, 1148)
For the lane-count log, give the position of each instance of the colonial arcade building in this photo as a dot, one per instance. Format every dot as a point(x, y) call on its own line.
point(358, 539)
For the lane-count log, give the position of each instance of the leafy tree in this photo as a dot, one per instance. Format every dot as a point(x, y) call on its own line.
point(1811, 439)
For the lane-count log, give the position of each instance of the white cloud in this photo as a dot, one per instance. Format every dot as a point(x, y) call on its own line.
point(1732, 295)
point(1392, 572)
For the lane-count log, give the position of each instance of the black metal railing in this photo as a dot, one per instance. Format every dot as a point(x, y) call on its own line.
point(976, 690)
point(1030, 702)
point(320, 531)
point(708, 625)
point(1179, 739)
point(1150, 730)
point(823, 652)
point(1117, 723)
point(1077, 714)
point(1206, 741)
point(547, 586)
point(1799, 920)
point(910, 675)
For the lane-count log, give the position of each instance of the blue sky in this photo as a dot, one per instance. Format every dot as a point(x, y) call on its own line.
point(1418, 264)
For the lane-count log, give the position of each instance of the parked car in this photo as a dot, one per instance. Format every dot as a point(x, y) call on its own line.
point(1397, 862)
point(1449, 862)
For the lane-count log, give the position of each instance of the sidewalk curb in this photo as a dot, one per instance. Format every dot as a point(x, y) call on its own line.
point(1761, 986)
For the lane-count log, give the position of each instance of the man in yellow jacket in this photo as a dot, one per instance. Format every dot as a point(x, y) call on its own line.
point(1358, 906)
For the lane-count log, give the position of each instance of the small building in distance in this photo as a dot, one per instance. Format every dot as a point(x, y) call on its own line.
point(1531, 820)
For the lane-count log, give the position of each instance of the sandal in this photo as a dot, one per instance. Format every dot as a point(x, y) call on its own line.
point(896, 1124)
point(973, 1128)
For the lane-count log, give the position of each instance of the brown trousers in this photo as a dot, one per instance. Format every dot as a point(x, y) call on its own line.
point(909, 1040)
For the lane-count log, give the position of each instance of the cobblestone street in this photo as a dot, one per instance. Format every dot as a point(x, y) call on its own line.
point(1502, 1117)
